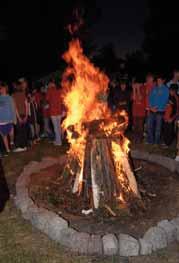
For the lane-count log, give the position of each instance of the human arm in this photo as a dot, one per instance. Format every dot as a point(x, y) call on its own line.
point(152, 105)
point(13, 110)
point(164, 98)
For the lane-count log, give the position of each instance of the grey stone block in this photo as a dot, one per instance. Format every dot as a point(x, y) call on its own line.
point(145, 247)
point(169, 229)
point(140, 155)
point(164, 161)
point(22, 200)
point(95, 245)
point(157, 237)
point(47, 222)
point(54, 225)
point(79, 242)
point(31, 168)
point(128, 246)
point(175, 222)
point(66, 236)
point(110, 245)
point(22, 181)
point(29, 213)
point(47, 163)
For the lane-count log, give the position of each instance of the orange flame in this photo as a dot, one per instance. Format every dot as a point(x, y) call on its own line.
point(84, 92)
point(82, 86)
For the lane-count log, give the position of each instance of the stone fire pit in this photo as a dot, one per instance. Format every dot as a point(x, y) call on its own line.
point(58, 228)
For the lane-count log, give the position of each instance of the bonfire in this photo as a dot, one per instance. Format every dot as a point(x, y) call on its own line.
point(98, 159)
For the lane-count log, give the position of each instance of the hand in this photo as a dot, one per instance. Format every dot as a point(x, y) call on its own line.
point(20, 120)
point(63, 114)
point(153, 109)
point(170, 121)
point(24, 120)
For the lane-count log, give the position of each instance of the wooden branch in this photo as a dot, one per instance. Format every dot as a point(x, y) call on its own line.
point(110, 210)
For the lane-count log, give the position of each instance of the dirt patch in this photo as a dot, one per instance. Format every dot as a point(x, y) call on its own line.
point(159, 188)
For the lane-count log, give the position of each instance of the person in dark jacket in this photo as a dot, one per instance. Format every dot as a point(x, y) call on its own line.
point(122, 97)
point(4, 191)
point(170, 116)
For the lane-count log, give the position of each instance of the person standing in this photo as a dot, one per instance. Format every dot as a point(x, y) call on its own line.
point(148, 86)
point(55, 109)
point(4, 191)
point(138, 110)
point(7, 117)
point(174, 80)
point(47, 131)
point(158, 100)
point(122, 97)
point(22, 109)
point(170, 116)
point(32, 119)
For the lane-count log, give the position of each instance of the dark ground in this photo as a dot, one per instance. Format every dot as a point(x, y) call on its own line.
point(21, 243)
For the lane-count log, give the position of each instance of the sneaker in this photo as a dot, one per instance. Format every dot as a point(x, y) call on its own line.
point(17, 150)
point(165, 146)
point(57, 144)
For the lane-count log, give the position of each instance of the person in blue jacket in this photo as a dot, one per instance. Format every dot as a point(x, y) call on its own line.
point(158, 99)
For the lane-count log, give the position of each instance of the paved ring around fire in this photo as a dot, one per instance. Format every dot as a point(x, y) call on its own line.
point(58, 229)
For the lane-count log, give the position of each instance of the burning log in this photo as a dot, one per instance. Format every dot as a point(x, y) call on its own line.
point(105, 175)
point(99, 162)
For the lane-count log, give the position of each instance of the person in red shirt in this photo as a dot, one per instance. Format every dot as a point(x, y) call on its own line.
point(138, 110)
point(55, 109)
point(148, 86)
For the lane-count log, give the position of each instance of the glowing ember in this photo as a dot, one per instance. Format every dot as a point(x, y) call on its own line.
point(93, 132)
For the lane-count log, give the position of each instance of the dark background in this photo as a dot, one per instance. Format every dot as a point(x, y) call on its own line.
point(33, 35)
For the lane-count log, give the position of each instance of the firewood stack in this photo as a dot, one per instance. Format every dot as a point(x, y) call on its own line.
point(105, 178)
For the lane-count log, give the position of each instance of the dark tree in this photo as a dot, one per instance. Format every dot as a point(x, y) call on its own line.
point(161, 35)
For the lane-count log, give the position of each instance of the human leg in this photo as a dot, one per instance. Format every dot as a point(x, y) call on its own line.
point(168, 133)
point(6, 143)
point(56, 121)
point(150, 127)
point(158, 119)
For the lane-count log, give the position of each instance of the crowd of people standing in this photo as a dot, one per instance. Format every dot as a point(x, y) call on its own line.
point(152, 106)
point(29, 114)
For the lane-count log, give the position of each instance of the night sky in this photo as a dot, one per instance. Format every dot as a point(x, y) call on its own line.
point(31, 38)
point(122, 23)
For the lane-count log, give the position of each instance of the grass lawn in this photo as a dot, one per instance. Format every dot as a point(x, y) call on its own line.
point(21, 243)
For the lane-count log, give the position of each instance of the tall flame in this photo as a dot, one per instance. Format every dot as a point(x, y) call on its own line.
point(83, 84)
point(84, 91)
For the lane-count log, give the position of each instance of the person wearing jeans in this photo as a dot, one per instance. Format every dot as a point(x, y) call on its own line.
point(55, 108)
point(154, 120)
point(56, 121)
point(158, 99)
